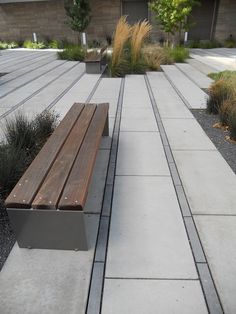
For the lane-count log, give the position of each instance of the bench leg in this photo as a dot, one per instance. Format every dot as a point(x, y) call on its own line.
point(106, 127)
point(49, 229)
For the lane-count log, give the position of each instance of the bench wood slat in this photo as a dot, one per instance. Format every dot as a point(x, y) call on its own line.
point(25, 190)
point(75, 192)
point(52, 187)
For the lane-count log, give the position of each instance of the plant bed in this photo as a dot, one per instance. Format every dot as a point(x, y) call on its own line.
point(218, 136)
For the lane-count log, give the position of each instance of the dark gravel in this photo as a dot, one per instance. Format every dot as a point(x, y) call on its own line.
point(7, 237)
point(227, 149)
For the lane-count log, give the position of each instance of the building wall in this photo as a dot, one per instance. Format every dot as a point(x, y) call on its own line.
point(47, 18)
point(19, 20)
point(226, 20)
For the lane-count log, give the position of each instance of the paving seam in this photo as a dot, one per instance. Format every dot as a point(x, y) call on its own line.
point(31, 80)
point(16, 77)
point(103, 235)
point(63, 93)
point(28, 58)
point(35, 93)
point(16, 57)
point(154, 279)
point(189, 77)
point(207, 283)
point(202, 64)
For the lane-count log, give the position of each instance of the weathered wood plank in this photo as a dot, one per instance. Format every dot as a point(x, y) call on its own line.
point(25, 190)
point(76, 189)
point(52, 187)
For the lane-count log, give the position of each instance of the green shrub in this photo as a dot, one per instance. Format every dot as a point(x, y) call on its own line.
point(44, 124)
point(73, 53)
point(223, 75)
point(20, 133)
point(55, 44)
point(219, 91)
point(230, 42)
point(232, 122)
point(13, 164)
point(5, 45)
point(24, 139)
point(178, 54)
point(204, 44)
point(34, 45)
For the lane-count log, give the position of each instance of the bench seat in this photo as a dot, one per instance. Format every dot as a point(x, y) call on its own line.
point(51, 194)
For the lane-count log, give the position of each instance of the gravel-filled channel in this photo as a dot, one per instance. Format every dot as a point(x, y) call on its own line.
point(227, 149)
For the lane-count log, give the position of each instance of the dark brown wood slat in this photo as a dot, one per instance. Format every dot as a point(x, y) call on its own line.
point(25, 190)
point(51, 189)
point(76, 189)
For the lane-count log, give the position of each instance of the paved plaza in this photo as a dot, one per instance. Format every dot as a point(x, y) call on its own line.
point(161, 211)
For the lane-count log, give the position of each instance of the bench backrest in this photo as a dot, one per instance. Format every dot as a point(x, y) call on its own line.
point(60, 174)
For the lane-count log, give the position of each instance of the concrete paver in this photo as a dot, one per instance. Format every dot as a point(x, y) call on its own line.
point(152, 297)
point(218, 236)
point(147, 235)
point(169, 103)
point(186, 134)
point(141, 119)
point(194, 96)
point(199, 78)
point(50, 281)
point(200, 66)
point(208, 181)
point(141, 153)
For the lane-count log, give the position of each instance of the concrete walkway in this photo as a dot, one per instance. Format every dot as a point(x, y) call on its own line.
point(161, 207)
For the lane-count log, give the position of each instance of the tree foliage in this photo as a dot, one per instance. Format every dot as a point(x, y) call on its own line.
point(79, 15)
point(173, 14)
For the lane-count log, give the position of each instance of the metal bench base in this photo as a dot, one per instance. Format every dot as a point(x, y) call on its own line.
point(49, 229)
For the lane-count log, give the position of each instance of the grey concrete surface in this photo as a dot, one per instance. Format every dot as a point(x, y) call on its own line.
point(141, 153)
point(49, 281)
point(218, 236)
point(141, 119)
point(195, 98)
point(187, 134)
point(195, 75)
point(204, 68)
point(209, 182)
point(147, 235)
point(152, 297)
point(169, 103)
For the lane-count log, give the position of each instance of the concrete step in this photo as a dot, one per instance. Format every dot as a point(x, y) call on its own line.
point(193, 96)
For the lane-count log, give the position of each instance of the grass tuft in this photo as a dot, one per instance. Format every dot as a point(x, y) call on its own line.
point(219, 91)
point(121, 36)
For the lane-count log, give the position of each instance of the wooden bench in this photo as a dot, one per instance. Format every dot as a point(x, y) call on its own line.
point(94, 61)
point(46, 205)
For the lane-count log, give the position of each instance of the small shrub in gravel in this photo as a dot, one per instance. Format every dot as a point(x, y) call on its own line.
point(219, 91)
point(232, 123)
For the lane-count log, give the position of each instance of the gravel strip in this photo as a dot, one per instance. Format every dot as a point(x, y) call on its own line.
point(7, 237)
point(227, 149)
